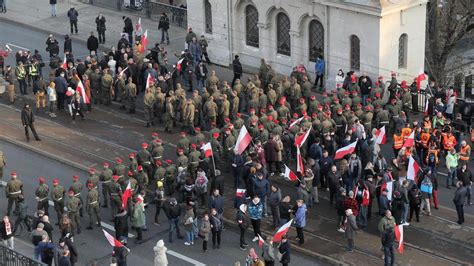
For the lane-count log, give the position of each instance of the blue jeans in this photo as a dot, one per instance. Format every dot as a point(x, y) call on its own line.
point(164, 34)
point(174, 225)
point(362, 216)
point(364, 99)
point(469, 194)
point(452, 176)
point(190, 236)
point(405, 212)
point(53, 10)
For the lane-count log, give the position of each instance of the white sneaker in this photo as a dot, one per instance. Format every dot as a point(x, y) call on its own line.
point(341, 230)
point(255, 239)
point(406, 224)
point(187, 243)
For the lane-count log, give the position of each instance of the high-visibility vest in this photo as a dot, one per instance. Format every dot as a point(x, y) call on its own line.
point(397, 141)
point(435, 152)
point(448, 142)
point(21, 73)
point(33, 70)
point(465, 153)
point(406, 131)
point(425, 138)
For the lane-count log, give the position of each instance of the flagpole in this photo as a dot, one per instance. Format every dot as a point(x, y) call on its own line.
point(213, 164)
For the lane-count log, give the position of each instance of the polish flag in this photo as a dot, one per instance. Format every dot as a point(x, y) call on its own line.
point(144, 41)
point(80, 88)
point(64, 65)
point(179, 64)
point(138, 26)
point(349, 149)
point(149, 80)
point(413, 169)
point(113, 242)
point(299, 140)
point(289, 174)
point(426, 106)
point(123, 72)
point(295, 123)
point(260, 241)
point(419, 79)
point(299, 161)
point(240, 192)
point(399, 237)
point(207, 148)
point(127, 194)
point(389, 187)
point(282, 231)
point(381, 137)
point(410, 141)
point(243, 140)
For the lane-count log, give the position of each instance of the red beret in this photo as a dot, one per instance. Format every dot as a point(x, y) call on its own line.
point(132, 155)
point(369, 99)
point(169, 161)
point(115, 177)
point(119, 160)
point(260, 126)
point(354, 93)
point(158, 141)
point(41, 179)
point(314, 115)
point(213, 123)
point(140, 168)
point(182, 133)
point(320, 106)
point(180, 150)
point(238, 114)
point(144, 145)
point(270, 106)
point(90, 185)
point(55, 181)
point(346, 93)
point(75, 177)
point(295, 115)
point(377, 95)
point(106, 165)
point(198, 129)
point(13, 174)
point(70, 193)
point(158, 162)
point(301, 99)
point(339, 110)
point(92, 170)
point(368, 108)
point(270, 118)
point(193, 145)
point(154, 134)
point(313, 97)
point(215, 135)
point(226, 120)
point(130, 173)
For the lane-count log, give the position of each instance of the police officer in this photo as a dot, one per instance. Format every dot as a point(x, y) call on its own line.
point(74, 205)
point(92, 206)
point(105, 179)
point(57, 195)
point(41, 194)
point(13, 190)
point(77, 187)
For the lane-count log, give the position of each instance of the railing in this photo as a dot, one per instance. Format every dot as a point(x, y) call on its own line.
point(178, 16)
point(9, 257)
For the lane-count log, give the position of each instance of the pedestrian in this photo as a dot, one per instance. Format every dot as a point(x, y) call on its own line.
point(138, 217)
point(67, 44)
point(459, 200)
point(38, 234)
point(72, 15)
point(204, 231)
point(173, 212)
point(3, 5)
point(204, 45)
point(216, 201)
point(77, 106)
point(6, 232)
point(388, 239)
point(255, 210)
point(350, 229)
point(300, 220)
point(63, 258)
point(39, 90)
point(188, 223)
point(189, 37)
point(52, 98)
point(284, 254)
point(261, 189)
point(452, 165)
point(92, 43)
point(21, 212)
point(160, 253)
point(100, 23)
point(74, 205)
point(426, 188)
point(250, 257)
point(164, 25)
point(414, 197)
point(242, 222)
point(274, 201)
point(28, 119)
point(159, 199)
point(45, 249)
point(128, 29)
point(121, 225)
point(237, 67)
point(20, 74)
point(61, 88)
point(285, 210)
point(53, 3)
point(319, 68)
point(268, 252)
point(121, 252)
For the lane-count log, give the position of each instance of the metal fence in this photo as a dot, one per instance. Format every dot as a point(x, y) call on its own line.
point(9, 257)
point(178, 16)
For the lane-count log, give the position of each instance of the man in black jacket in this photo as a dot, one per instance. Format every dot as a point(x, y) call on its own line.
point(100, 22)
point(459, 200)
point(388, 238)
point(72, 15)
point(164, 25)
point(237, 69)
point(27, 119)
point(173, 211)
point(92, 43)
point(128, 28)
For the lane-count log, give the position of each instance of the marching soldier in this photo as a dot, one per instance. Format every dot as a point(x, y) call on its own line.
point(160, 99)
point(210, 110)
point(57, 195)
point(193, 157)
point(199, 136)
point(74, 205)
point(115, 196)
point(105, 179)
point(158, 150)
point(142, 180)
point(131, 93)
point(183, 143)
point(41, 194)
point(170, 177)
point(182, 160)
point(148, 104)
point(92, 207)
point(169, 115)
point(119, 168)
point(77, 188)
point(93, 178)
point(144, 158)
point(13, 190)
point(160, 171)
point(132, 166)
point(95, 78)
point(120, 91)
point(188, 116)
point(366, 119)
point(106, 90)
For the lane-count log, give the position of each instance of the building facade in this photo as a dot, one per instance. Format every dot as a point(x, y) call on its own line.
point(370, 36)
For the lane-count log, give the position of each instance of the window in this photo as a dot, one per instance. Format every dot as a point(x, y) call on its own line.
point(251, 26)
point(283, 34)
point(316, 40)
point(355, 53)
point(402, 51)
point(208, 16)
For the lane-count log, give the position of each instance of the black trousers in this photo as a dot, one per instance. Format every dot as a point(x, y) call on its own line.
point(414, 102)
point(33, 130)
point(139, 233)
point(101, 36)
point(389, 256)
point(73, 25)
point(256, 227)
point(236, 76)
point(204, 245)
point(242, 235)
point(60, 102)
point(319, 78)
point(300, 234)
point(415, 209)
point(216, 238)
point(460, 211)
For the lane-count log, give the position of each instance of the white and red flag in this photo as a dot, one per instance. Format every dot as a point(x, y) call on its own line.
point(149, 80)
point(381, 136)
point(207, 148)
point(296, 122)
point(299, 161)
point(410, 141)
point(413, 169)
point(123, 72)
point(243, 140)
point(283, 230)
point(179, 64)
point(64, 65)
point(289, 174)
point(349, 149)
point(399, 237)
point(299, 140)
point(127, 194)
point(144, 41)
point(82, 91)
point(113, 242)
point(389, 187)
point(427, 102)
point(240, 192)
point(419, 79)
point(260, 241)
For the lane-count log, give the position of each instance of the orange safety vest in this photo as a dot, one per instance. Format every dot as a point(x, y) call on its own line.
point(406, 131)
point(435, 151)
point(397, 141)
point(465, 153)
point(425, 138)
point(448, 142)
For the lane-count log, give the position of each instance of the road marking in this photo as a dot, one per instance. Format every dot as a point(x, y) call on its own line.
point(14, 45)
point(188, 259)
point(105, 225)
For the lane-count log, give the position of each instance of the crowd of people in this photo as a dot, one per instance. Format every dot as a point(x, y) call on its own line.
point(275, 110)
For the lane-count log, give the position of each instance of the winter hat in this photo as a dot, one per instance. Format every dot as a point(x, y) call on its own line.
point(160, 243)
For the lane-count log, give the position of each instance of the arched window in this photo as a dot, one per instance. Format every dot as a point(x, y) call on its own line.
point(283, 34)
point(316, 40)
point(251, 26)
point(402, 51)
point(355, 53)
point(208, 16)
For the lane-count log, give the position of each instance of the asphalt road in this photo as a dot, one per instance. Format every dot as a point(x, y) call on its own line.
point(92, 245)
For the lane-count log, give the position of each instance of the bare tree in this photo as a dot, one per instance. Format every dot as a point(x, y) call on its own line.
point(448, 22)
